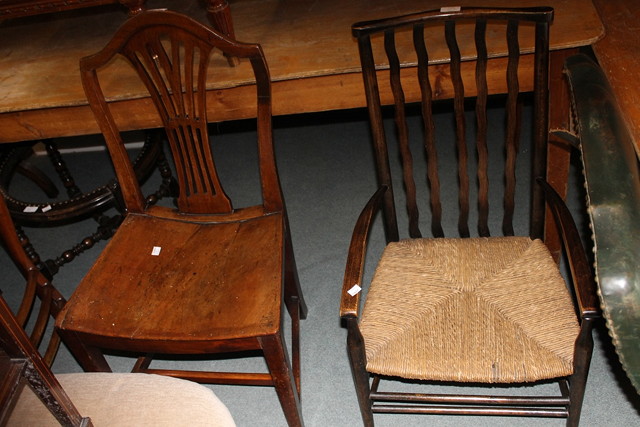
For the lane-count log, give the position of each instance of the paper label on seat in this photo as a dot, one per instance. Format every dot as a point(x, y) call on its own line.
point(447, 9)
point(156, 250)
point(355, 290)
point(46, 208)
point(30, 209)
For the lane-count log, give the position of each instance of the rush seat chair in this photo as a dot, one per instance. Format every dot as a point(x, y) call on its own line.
point(475, 309)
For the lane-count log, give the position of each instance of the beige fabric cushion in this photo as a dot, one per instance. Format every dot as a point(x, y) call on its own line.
point(474, 310)
point(111, 399)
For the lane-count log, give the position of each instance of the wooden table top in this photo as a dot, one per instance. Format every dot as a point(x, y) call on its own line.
point(14, 8)
point(619, 56)
point(311, 54)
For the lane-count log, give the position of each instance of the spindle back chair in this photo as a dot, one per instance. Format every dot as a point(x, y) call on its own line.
point(458, 310)
point(448, 78)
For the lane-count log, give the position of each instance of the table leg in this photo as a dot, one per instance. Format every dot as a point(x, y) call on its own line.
point(134, 6)
point(219, 14)
point(559, 152)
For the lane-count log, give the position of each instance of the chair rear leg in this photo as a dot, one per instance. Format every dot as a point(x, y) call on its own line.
point(292, 289)
point(295, 344)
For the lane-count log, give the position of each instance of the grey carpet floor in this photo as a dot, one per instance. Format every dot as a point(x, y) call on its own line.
point(327, 174)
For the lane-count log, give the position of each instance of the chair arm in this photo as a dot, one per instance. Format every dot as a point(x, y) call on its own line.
point(357, 250)
point(582, 277)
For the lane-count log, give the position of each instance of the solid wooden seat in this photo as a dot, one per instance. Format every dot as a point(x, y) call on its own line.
point(480, 309)
point(206, 277)
point(237, 296)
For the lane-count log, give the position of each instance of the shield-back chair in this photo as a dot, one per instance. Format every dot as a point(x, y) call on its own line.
point(207, 277)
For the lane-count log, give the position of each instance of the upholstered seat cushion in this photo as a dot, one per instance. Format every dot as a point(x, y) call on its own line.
point(128, 400)
point(484, 310)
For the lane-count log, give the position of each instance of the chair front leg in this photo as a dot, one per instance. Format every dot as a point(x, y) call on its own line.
point(358, 359)
point(90, 358)
point(275, 354)
point(581, 362)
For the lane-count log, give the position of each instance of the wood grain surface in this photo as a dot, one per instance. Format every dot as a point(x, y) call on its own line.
point(311, 54)
point(619, 56)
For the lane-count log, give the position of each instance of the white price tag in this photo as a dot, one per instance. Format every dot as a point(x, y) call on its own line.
point(355, 290)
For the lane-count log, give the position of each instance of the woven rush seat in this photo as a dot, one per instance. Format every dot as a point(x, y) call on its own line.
point(462, 310)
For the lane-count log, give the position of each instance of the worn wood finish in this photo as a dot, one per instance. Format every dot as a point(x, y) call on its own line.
point(222, 274)
point(312, 57)
point(449, 24)
point(618, 56)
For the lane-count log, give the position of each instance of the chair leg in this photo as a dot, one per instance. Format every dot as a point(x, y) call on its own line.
point(143, 363)
point(293, 291)
point(582, 362)
point(358, 359)
point(295, 344)
point(275, 354)
point(295, 303)
point(90, 359)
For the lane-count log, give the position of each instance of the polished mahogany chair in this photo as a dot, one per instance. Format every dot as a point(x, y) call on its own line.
point(474, 310)
point(205, 277)
point(30, 394)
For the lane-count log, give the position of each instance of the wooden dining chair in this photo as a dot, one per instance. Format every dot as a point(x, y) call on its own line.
point(205, 277)
point(30, 394)
point(473, 310)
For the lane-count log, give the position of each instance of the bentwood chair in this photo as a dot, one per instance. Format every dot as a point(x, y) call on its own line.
point(30, 394)
point(205, 278)
point(472, 310)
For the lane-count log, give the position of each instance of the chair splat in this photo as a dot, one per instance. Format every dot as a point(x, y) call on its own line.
point(174, 70)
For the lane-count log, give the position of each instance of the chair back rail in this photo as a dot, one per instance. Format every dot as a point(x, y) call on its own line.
point(172, 60)
point(419, 23)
